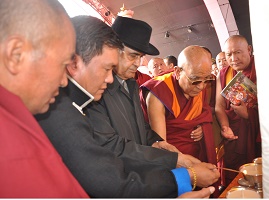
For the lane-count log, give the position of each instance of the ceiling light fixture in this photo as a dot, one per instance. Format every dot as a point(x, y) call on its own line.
point(166, 35)
point(189, 29)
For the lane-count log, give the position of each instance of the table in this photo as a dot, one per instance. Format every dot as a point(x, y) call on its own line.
point(232, 184)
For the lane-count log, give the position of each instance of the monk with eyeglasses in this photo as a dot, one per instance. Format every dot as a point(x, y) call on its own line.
point(175, 105)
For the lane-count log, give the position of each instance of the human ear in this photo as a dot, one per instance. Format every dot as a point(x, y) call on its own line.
point(177, 72)
point(13, 54)
point(73, 67)
point(250, 50)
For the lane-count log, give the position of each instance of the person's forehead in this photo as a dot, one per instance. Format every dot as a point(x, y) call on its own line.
point(221, 55)
point(235, 44)
point(197, 67)
point(158, 60)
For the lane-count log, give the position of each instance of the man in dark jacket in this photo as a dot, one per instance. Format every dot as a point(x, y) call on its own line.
point(105, 164)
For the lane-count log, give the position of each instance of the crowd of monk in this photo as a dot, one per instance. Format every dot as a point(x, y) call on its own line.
point(81, 117)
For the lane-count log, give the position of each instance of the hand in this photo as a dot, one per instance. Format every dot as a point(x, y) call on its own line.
point(165, 145)
point(206, 174)
point(197, 134)
point(240, 110)
point(227, 132)
point(185, 160)
point(203, 193)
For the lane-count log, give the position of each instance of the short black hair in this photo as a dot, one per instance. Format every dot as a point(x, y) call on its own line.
point(171, 59)
point(91, 35)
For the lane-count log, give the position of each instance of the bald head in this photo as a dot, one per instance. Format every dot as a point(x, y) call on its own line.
point(37, 41)
point(31, 19)
point(221, 61)
point(194, 70)
point(157, 66)
point(192, 56)
point(236, 38)
point(237, 52)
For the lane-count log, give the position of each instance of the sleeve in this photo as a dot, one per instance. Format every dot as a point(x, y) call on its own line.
point(152, 136)
point(100, 172)
point(183, 180)
point(106, 136)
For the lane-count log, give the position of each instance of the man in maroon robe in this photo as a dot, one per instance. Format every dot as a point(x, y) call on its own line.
point(239, 124)
point(176, 107)
point(33, 55)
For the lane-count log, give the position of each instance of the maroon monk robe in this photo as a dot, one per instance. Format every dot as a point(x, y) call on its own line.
point(29, 164)
point(247, 146)
point(178, 129)
point(141, 77)
point(181, 118)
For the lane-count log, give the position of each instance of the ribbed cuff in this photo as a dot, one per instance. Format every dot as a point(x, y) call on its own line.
point(183, 180)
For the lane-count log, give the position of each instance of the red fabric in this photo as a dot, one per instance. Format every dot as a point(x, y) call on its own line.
point(141, 77)
point(212, 87)
point(247, 146)
point(178, 129)
point(29, 164)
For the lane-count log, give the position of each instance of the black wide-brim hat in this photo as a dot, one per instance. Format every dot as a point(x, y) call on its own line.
point(135, 34)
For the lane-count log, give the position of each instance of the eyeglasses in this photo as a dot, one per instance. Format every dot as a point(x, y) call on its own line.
point(200, 81)
point(132, 56)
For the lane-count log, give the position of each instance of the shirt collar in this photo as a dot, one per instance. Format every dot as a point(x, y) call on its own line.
point(80, 97)
point(119, 79)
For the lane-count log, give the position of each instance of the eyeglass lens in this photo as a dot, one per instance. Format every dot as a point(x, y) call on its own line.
point(199, 82)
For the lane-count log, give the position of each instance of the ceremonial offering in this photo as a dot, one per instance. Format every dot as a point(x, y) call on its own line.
point(242, 193)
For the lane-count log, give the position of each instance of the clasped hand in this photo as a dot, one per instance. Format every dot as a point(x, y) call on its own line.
point(197, 134)
point(240, 110)
point(183, 160)
point(165, 145)
point(206, 173)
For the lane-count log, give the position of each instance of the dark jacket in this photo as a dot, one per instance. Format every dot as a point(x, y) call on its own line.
point(125, 113)
point(89, 155)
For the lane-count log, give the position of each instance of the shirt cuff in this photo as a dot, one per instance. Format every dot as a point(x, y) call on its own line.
point(183, 180)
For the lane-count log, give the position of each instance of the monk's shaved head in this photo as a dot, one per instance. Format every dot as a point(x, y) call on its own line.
point(193, 56)
point(31, 19)
point(37, 41)
point(237, 52)
point(237, 38)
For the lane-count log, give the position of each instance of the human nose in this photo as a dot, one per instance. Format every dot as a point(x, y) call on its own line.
point(233, 57)
point(109, 78)
point(137, 60)
point(64, 80)
point(202, 85)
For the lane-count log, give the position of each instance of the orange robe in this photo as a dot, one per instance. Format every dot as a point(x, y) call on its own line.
point(183, 116)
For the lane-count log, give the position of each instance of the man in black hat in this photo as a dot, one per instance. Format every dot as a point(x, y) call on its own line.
point(120, 100)
point(119, 109)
